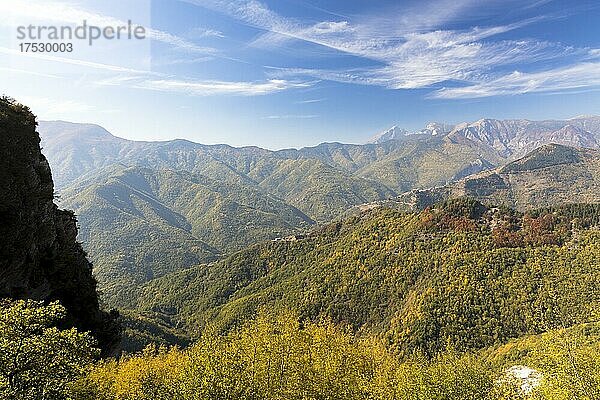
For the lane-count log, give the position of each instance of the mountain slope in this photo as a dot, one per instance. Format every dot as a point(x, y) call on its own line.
point(515, 138)
point(320, 190)
point(372, 171)
point(394, 133)
point(76, 149)
point(550, 175)
point(451, 274)
point(166, 220)
point(422, 161)
point(222, 198)
point(397, 133)
point(189, 202)
point(511, 139)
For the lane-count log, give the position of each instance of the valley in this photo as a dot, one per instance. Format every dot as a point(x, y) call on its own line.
point(299, 200)
point(422, 253)
point(194, 203)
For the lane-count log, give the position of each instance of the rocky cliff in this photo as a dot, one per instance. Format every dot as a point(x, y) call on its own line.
point(39, 255)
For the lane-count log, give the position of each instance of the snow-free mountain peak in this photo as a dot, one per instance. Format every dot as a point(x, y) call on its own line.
point(511, 138)
point(393, 133)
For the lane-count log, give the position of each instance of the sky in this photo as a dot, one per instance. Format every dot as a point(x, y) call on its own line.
point(294, 73)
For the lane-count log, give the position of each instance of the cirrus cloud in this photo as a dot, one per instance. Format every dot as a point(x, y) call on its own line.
point(413, 50)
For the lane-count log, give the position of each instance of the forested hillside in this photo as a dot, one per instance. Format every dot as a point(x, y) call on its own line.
point(192, 203)
point(143, 203)
point(550, 175)
point(184, 219)
point(278, 357)
point(456, 274)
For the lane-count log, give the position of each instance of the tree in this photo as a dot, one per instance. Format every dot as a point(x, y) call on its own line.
point(37, 359)
point(570, 361)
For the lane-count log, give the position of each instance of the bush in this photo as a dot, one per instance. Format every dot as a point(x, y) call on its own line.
point(276, 357)
point(37, 359)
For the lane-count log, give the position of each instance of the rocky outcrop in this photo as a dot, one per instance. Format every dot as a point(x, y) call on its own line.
point(39, 255)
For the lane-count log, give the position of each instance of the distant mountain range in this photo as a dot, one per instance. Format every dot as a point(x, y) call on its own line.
point(150, 208)
point(511, 138)
point(550, 175)
point(395, 132)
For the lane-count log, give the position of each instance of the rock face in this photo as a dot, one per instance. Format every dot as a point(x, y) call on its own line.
point(39, 255)
point(516, 138)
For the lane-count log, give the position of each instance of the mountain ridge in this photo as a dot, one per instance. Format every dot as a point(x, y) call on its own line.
point(306, 186)
point(550, 175)
point(510, 138)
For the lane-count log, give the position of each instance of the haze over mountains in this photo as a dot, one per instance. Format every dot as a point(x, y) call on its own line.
point(192, 203)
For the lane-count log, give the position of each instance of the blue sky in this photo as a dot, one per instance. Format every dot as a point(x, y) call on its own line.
point(292, 73)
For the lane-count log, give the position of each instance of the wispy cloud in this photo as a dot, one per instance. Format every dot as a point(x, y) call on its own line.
point(199, 33)
point(206, 88)
point(27, 72)
point(412, 50)
point(166, 61)
point(291, 116)
point(67, 13)
point(425, 60)
point(54, 108)
point(376, 38)
point(575, 77)
point(57, 11)
point(73, 61)
point(140, 79)
point(310, 101)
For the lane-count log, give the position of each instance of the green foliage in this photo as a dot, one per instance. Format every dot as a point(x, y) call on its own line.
point(143, 329)
point(15, 114)
point(37, 359)
point(571, 365)
point(167, 221)
point(276, 357)
point(546, 156)
point(420, 280)
point(568, 360)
